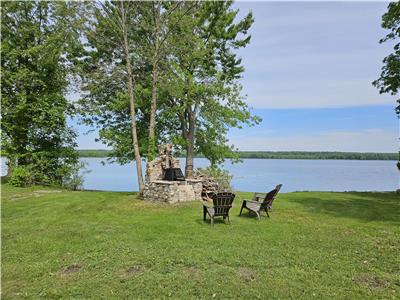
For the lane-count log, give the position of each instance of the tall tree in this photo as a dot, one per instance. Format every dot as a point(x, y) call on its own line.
point(157, 24)
point(389, 81)
point(39, 40)
point(156, 40)
point(113, 62)
point(205, 92)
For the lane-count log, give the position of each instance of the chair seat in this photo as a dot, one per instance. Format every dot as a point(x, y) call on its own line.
point(253, 206)
point(261, 206)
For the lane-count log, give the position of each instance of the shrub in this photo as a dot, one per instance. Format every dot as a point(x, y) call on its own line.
point(74, 179)
point(22, 176)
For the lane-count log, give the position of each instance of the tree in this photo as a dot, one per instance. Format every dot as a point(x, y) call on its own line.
point(113, 61)
point(39, 40)
point(389, 81)
point(184, 76)
point(157, 26)
point(204, 90)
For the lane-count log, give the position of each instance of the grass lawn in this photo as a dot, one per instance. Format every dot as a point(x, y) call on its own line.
point(109, 245)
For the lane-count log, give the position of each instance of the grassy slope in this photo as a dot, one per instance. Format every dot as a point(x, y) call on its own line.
point(105, 245)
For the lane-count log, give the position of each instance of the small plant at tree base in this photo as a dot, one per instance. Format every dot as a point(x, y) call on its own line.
point(22, 176)
point(74, 180)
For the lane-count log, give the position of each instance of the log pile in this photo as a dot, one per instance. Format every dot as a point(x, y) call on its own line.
point(210, 184)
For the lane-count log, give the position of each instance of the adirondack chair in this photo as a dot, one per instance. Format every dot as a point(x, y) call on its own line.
point(221, 204)
point(258, 206)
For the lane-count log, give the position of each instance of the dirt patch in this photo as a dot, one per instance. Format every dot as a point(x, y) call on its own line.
point(193, 270)
point(20, 197)
point(44, 192)
point(35, 194)
point(47, 191)
point(74, 268)
point(193, 274)
point(371, 281)
point(134, 270)
point(246, 274)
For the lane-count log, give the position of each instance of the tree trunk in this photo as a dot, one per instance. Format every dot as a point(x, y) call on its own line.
point(11, 165)
point(136, 150)
point(190, 144)
point(153, 108)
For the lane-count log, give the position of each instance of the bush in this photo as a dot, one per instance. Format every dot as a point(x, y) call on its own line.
point(74, 179)
point(22, 176)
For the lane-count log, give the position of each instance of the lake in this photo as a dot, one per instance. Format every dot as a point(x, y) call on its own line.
point(263, 174)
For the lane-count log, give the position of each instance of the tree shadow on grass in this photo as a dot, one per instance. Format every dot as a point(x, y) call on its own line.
point(217, 221)
point(368, 206)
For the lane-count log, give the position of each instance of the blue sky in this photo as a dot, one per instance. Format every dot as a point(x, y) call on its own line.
point(309, 69)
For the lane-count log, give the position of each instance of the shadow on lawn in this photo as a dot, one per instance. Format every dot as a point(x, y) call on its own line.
point(367, 207)
point(234, 217)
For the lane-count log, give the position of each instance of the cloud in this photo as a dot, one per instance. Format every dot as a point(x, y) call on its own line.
point(368, 140)
point(314, 94)
point(314, 55)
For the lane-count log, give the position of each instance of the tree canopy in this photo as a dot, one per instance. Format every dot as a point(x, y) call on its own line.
point(185, 74)
point(389, 80)
point(38, 43)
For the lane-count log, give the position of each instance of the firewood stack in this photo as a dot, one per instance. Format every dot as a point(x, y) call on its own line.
point(210, 185)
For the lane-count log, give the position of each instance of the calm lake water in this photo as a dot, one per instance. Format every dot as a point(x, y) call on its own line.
point(264, 174)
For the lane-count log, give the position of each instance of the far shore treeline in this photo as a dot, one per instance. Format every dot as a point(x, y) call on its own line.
point(277, 155)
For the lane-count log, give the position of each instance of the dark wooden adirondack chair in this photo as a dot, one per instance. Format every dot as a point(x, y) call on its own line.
point(221, 204)
point(257, 206)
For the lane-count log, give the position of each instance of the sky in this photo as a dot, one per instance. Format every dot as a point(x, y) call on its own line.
point(308, 73)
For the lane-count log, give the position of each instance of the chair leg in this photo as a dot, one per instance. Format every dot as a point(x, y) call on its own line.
point(241, 209)
point(258, 215)
point(212, 221)
point(229, 221)
point(267, 213)
point(204, 214)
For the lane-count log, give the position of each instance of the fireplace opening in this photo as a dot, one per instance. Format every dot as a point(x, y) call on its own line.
point(174, 174)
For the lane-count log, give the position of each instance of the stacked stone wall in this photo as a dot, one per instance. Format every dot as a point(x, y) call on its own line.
point(173, 191)
point(157, 189)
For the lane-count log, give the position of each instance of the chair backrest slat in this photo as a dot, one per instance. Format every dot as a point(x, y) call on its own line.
point(270, 197)
point(222, 203)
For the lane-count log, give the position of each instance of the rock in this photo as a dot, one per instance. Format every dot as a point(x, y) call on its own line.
point(157, 189)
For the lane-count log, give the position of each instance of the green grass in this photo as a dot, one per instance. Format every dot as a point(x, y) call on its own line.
point(109, 245)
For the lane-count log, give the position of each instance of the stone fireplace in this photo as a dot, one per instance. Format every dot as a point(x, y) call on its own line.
point(176, 188)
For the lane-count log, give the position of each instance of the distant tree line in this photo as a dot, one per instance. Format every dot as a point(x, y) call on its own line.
point(278, 155)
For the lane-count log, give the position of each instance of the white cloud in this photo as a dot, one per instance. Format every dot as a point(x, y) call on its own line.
point(314, 94)
point(369, 140)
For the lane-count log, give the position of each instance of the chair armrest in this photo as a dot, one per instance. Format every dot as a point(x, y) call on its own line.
point(207, 204)
point(258, 196)
point(252, 201)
